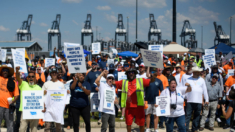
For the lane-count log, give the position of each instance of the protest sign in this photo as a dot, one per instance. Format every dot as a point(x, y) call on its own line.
point(95, 48)
point(115, 51)
point(0, 54)
point(121, 76)
point(67, 86)
point(109, 98)
point(209, 51)
point(110, 61)
point(55, 104)
point(67, 44)
point(227, 57)
point(19, 60)
point(209, 60)
point(163, 103)
point(152, 58)
point(49, 62)
point(75, 59)
point(94, 102)
point(156, 48)
point(230, 72)
point(4, 55)
point(33, 104)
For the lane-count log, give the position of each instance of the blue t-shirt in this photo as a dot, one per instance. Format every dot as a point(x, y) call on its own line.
point(91, 77)
point(78, 97)
point(102, 64)
point(152, 91)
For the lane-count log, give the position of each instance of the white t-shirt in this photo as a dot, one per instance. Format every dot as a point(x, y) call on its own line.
point(177, 78)
point(102, 88)
point(179, 111)
point(182, 89)
point(198, 86)
point(141, 76)
point(9, 65)
point(184, 78)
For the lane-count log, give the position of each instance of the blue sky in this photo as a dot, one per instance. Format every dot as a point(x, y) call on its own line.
point(104, 16)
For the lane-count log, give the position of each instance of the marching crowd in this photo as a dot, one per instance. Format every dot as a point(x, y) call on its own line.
point(194, 91)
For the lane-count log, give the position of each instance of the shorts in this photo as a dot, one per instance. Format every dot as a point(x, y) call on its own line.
point(138, 113)
point(150, 110)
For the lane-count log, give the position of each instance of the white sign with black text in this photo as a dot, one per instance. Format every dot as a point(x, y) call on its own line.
point(152, 58)
point(95, 48)
point(49, 62)
point(109, 98)
point(163, 103)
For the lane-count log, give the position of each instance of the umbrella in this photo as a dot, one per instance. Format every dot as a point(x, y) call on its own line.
point(197, 50)
point(128, 53)
point(142, 45)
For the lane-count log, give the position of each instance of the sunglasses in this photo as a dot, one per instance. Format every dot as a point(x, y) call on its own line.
point(153, 72)
point(126, 66)
point(5, 70)
point(111, 78)
point(38, 69)
point(131, 73)
point(31, 76)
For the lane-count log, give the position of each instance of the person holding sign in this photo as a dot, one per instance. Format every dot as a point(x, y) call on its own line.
point(27, 86)
point(177, 113)
point(195, 98)
point(107, 101)
point(132, 97)
point(8, 89)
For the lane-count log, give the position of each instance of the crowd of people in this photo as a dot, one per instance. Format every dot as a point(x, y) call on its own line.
point(194, 90)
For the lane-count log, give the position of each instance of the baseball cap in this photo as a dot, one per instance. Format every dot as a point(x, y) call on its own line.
point(98, 56)
point(126, 64)
point(94, 63)
point(215, 75)
point(111, 66)
point(110, 76)
point(53, 70)
point(141, 65)
point(32, 68)
point(120, 57)
point(185, 53)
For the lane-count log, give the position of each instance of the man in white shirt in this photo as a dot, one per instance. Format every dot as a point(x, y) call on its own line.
point(189, 73)
point(195, 98)
point(142, 73)
point(53, 84)
point(108, 114)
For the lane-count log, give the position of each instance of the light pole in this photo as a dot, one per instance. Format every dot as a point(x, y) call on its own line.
point(231, 30)
point(99, 36)
point(202, 38)
point(96, 33)
point(136, 19)
point(127, 29)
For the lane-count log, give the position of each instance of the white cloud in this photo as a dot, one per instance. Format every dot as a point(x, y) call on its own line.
point(33, 22)
point(103, 7)
point(2, 28)
point(141, 3)
point(43, 24)
point(72, 1)
point(75, 22)
point(111, 18)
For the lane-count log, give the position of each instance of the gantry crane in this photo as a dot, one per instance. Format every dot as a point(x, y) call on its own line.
point(220, 36)
point(187, 30)
point(153, 30)
point(87, 30)
point(25, 29)
point(54, 31)
point(120, 30)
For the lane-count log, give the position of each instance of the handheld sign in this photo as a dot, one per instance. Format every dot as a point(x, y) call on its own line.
point(156, 48)
point(209, 60)
point(152, 58)
point(33, 104)
point(227, 57)
point(109, 97)
point(163, 103)
point(67, 44)
point(0, 53)
point(19, 60)
point(4, 54)
point(95, 48)
point(230, 72)
point(121, 76)
point(110, 61)
point(75, 59)
point(49, 62)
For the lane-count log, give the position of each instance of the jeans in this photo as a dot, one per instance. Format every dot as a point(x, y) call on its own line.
point(4, 114)
point(108, 119)
point(228, 120)
point(196, 107)
point(212, 107)
point(17, 123)
point(85, 113)
point(180, 121)
point(162, 119)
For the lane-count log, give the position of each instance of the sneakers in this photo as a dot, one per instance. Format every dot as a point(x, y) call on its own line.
point(99, 122)
point(122, 118)
point(201, 129)
point(147, 130)
point(218, 120)
point(211, 128)
point(226, 126)
point(161, 126)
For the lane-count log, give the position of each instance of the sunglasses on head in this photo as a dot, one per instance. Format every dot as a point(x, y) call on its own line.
point(31, 76)
point(5, 70)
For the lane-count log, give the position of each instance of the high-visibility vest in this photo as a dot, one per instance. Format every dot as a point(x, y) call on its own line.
point(198, 63)
point(139, 92)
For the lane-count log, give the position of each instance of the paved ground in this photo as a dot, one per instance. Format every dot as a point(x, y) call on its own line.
point(123, 130)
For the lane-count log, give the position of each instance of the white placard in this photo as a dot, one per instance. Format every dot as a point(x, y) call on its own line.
point(0, 53)
point(4, 54)
point(33, 104)
point(152, 58)
point(163, 103)
point(55, 104)
point(49, 62)
point(95, 48)
point(209, 60)
point(121, 76)
point(75, 59)
point(227, 57)
point(67, 44)
point(94, 102)
point(156, 48)
point(230, 72)
point(19, 60)
point(67, 86)
point(209, 51)
point(110, 61)
point(109, 97)
point(21, 49)
point(115, 51)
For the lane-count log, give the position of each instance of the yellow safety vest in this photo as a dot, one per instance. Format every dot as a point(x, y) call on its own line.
point(198, 63)
point(139, 92)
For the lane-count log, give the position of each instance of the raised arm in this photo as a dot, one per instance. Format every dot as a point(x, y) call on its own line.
point(73, 85)
point(18, 76)
point(148, 72)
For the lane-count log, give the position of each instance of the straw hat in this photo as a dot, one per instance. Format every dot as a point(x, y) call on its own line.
point(167, 66)
point(11, 70)
point(178, 65)
point(197, 69)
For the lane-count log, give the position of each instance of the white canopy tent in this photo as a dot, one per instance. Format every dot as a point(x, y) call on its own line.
point(174, 48)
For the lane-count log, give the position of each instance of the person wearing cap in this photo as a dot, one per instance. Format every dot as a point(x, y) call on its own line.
point(53, 84)
point(167, 72)
point(209, 77)
point(119, 62)
point(108, 115)
point(142, 73)
point(30, 85)
point(40, 76)
point(92, 75)
point(228, 66)
point(195, 98)
point(214, 93)
point(8, 90)
point(103, 62)
point(132, 98)
point(178, 75)
point(188, 74)
point(126, 66)
point(184, 58)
